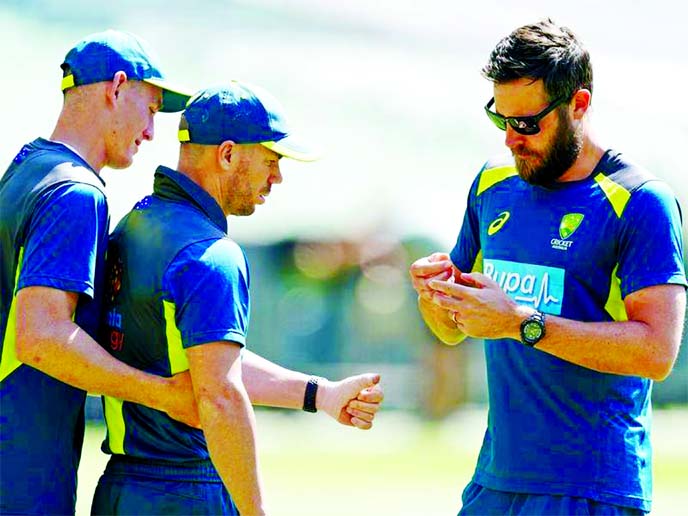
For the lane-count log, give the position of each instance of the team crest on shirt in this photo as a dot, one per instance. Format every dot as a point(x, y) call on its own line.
point(567, 227)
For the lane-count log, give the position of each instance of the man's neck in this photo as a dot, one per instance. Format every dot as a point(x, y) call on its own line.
point(590, 155)
point(81, 131)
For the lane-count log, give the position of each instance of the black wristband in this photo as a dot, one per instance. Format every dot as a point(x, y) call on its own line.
point(309, 395)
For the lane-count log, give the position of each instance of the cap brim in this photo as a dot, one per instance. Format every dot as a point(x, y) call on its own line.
point(174, 98)
point(290, 147)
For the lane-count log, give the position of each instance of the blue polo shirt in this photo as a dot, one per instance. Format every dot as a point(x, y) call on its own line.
point(575, 250)
point(53, 233)
point(175, 280)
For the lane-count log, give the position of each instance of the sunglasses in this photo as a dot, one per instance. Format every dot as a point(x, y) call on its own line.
point(527, 125)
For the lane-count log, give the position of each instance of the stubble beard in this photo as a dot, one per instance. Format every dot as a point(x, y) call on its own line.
point(557, 159)
point(241, 202)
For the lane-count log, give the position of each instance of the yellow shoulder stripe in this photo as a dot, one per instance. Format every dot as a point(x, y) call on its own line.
point(616, 194)
point(492, 176)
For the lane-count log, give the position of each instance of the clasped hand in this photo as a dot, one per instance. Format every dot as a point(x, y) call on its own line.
point(475, 302)
point(353, 401)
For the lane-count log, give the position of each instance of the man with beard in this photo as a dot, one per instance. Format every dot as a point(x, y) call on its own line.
point(179, 300)
point(569, 265)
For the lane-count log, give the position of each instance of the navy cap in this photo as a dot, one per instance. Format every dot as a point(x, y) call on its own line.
point(98, 57)
point(242, 114)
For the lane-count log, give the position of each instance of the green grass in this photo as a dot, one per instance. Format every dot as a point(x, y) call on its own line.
point(313, 467)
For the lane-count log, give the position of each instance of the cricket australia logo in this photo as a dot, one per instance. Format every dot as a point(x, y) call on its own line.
point(567, 227)
point(533, 285)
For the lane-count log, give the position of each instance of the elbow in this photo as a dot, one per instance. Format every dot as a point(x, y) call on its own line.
point(34, 333)
point(661, 364)
point(222, 397)
point(661, 370)
point(659, 376)
point(28, 346)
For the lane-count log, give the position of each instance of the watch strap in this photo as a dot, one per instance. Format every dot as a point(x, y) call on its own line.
point(310, 394)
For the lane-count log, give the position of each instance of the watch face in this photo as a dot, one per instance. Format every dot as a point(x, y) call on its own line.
point(532, 331)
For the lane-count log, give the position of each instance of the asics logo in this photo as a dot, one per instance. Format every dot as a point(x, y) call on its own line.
point(498, 223)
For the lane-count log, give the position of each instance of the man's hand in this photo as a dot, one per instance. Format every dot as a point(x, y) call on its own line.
point(353, 401)
point(437, 266)
point(179, 401)
point(479, 306)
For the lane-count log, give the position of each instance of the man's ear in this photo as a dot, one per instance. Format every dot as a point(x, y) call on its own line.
point(581, 102)
point(224, 154)
point(114, 87)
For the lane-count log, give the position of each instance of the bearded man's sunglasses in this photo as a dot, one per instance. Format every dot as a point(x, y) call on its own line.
point(527, 125)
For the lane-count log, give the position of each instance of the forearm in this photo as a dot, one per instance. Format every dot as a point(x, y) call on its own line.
point(274, 386)
point(228, 423)
point(271, 385)
point(620, 347)
point(437, 319)
point(645, 344)
point(65, 351)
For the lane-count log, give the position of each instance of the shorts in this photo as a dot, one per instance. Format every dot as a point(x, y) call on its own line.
point(142, 487)
point(481, 501)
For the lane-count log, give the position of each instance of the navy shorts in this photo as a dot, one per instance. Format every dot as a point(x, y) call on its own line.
point(130, 486)
point(481, 501)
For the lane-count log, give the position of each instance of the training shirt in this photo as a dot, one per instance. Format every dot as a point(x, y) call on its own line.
point(175, 281)
point(574, 250)
point(53, 233)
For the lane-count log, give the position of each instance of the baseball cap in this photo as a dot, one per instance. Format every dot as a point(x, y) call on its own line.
point(97, 58)
point(242, 114)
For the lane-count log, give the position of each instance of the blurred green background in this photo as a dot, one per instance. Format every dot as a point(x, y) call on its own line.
point(391, 92)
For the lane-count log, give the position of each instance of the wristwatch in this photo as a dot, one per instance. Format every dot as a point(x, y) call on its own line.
point(533, 329)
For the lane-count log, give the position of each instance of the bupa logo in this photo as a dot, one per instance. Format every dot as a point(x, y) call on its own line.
point(567, 227)
point(498, 223)
point(533, 285)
